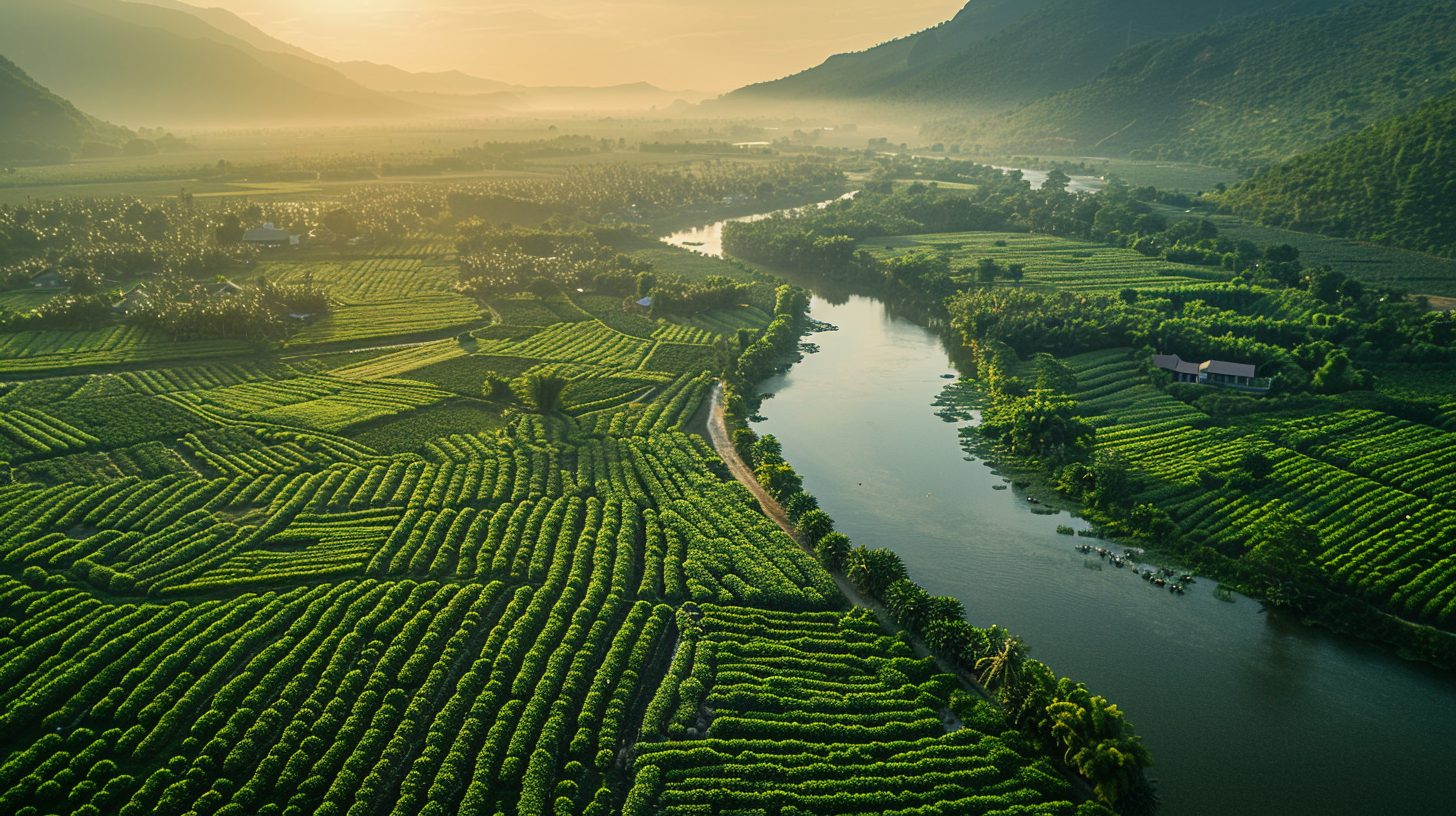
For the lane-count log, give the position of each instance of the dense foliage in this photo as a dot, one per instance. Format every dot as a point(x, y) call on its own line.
point(480, 573)
point(1393, 183)
point(1196, 98)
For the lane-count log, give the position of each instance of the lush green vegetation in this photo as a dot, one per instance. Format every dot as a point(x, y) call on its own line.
point(993, 56)
point(1194, 98)
point(1390, 184)
point(38, 126)
point(484, 573)
point(1273, 491)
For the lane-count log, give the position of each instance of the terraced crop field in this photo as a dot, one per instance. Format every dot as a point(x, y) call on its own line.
point(1377, 488)
point(1057, 263)
point(218, 597)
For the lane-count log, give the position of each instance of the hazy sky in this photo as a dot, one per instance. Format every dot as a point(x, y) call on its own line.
point(707, 45)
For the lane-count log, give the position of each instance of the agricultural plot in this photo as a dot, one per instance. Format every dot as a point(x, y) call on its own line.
point(1059, 263)
point(821, 713)
point(320, 403)
point(357, 587)
point(29, 352)
point(1376, 488)
point(384, 319)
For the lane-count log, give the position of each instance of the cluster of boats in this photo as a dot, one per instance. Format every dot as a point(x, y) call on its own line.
point(1157, 576)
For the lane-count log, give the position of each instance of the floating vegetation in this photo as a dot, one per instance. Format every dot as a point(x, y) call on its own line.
point(998, 487)
point(1063, 529)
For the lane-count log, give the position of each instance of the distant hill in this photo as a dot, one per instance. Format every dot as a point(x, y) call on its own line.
point(1393, 183)
point(1246, 93)
point(996, 55)
point(876, 70)
point(149, 65)
point(37, 125)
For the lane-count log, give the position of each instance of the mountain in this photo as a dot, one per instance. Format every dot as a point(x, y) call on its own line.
point(453, 93)
point(37, 125)
point(876, 70)
point(1393, 183)
point(996, 55)
point(1246, 93)
point(146, 64)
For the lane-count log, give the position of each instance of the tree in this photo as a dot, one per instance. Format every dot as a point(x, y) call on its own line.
point(230, 231)
point(778, 479)
point(1001, 669)
point(1056, 182)
point(987, 270)
point(541, 393)
point(833, 549)
point(814, 525)
point(873, 570)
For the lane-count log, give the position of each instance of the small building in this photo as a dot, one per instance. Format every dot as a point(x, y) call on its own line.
point(645, 303)
point(136, 299)
point(269, 236)
point(225, 289)
point(1212, 372)
point(49, 279)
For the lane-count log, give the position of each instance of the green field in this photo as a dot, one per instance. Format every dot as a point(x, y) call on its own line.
point(1385, 266)
point(1055, 263)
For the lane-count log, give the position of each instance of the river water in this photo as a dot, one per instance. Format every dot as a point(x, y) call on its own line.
point(1245, 711)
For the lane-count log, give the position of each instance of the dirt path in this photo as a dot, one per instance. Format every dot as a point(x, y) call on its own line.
point(717, 433)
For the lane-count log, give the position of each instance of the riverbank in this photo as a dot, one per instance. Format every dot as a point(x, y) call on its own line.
point(714, 427)
point(1218, 691)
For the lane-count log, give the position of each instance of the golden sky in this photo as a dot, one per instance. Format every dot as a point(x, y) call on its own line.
point(706, 45)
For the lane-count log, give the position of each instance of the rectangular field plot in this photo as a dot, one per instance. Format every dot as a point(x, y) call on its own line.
point(383, 319)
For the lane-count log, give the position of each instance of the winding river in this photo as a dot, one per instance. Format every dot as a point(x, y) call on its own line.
point(1245, 711)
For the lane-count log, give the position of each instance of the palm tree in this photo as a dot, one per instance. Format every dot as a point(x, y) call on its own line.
point(1002, 668)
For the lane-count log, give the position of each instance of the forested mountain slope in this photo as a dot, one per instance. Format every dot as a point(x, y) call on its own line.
point(1393, 183)
point(1245, 93)
point(149, 65)
point(35, 122)
point(994, 57)
point(872, 71)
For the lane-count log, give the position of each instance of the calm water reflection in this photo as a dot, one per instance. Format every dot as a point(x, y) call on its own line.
point(1246, 712)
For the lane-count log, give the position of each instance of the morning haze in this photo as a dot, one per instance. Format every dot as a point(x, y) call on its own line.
point(564, 408)
point(700, 44)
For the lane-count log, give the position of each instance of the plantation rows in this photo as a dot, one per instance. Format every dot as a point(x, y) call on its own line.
point(380, 319)
point(379, 278)
point(581, 343)
point(1062, 263)
point(800, 713)
point(40, 351)
point(1415, 458)
point(1382, 542)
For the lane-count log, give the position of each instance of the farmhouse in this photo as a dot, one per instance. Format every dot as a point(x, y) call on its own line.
point(269, 236)
point(1211, 372)
point(225, 289)
point(137, 298)
point(49, 279)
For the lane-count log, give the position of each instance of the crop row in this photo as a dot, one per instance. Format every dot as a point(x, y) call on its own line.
point(820, 713)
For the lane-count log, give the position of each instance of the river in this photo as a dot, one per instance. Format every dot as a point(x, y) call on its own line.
point(1245, 711)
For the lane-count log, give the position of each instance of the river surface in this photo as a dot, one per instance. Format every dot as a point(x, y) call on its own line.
point(1246, 712)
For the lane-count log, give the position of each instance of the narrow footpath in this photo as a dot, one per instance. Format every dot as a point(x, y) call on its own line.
point(717, 435)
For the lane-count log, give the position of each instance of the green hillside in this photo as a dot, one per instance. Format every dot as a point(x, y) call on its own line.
point(996, 56)
point(1393, 183)
point(37, 125)
point(1245, 93)
point(878, 69)
point(149, 65)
